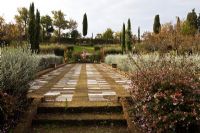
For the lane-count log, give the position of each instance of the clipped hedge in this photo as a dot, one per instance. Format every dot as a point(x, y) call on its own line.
point(112, 50)
point(56, 49)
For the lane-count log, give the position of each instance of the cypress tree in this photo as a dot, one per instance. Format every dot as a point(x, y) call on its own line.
point(156, 25)
point(138, 34)
point(192, 19)
point(85, 25)
point(178, 25)
point(129, 36)
point(198, 22)
point(37, 31)
point(31, 27)
point(123, 39)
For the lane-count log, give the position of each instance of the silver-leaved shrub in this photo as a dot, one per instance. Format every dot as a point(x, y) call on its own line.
point(18, 67)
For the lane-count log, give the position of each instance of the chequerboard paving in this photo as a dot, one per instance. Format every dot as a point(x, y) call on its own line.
point(98, 88)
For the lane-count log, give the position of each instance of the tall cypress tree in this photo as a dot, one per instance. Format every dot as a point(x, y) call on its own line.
point(198, 22)
point(138, 34)
point(192, 19)
point(178, 25)
point(31, 27)
point(123, 39)
point(156, 25)
point(129, 36)
point(37, 31)
point(85, 25)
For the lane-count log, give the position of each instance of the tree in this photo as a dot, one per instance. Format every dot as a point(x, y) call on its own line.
point(75, 34)
point(98, 36)
point(72, 24)
point(108, 34)
point(198, 22)
point(156, 25)
point(22, 19)
point(123, 39)
point(37, 31)
point(178, 25)
point(85, 25)
point(129, 36)
point(138, 34)
point(47, 26)
point(117, 35)
point(31, 27)
point(59, 21)
point(192, 21)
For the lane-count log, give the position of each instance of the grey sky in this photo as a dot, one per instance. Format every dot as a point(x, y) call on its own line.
point(104, 14)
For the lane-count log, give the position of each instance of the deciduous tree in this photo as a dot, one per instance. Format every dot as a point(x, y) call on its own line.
point(47, 26)
point(108, 34)
point(59, 21)
point(22, 19)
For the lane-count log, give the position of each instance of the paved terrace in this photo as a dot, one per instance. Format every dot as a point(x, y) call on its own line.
point(80, 83)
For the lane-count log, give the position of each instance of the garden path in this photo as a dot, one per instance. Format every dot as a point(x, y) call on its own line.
point(80, 98)
point(80, 82)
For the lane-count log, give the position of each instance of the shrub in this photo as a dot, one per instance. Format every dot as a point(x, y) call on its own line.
point(7, 109)
point(59, 52)
point(70, 48)
point(97, 48)
point(18, 67)
point(94, 58)
point(46, 61)
point(76, 57)
point(165, 94)
point(121, 61)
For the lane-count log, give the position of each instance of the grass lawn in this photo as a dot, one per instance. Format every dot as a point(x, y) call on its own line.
point(89, 49)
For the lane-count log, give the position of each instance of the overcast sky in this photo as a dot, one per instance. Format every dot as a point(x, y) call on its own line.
point(104, 14)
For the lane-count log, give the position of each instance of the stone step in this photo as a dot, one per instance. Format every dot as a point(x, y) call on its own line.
point(51, 128)
point(111, 119)
point(79, 107)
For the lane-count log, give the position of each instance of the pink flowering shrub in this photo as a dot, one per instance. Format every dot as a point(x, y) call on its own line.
point(166, 96)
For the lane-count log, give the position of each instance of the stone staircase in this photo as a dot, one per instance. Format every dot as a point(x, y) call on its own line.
point(87, 117)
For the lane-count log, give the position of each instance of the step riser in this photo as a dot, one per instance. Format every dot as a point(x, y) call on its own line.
point(79, 110)
point(81, 122)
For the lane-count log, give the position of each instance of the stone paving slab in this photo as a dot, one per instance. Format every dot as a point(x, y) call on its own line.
point(83, 82)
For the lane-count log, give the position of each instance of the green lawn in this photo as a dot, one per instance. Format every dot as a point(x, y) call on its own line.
point(89, 49)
